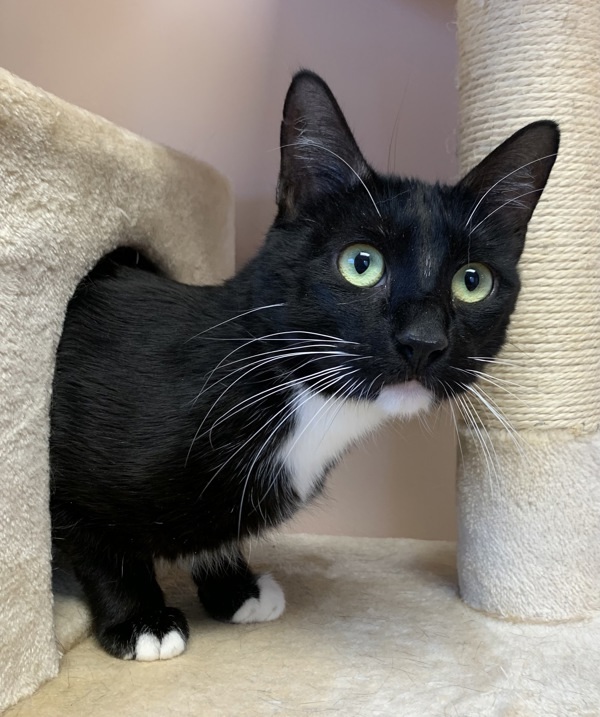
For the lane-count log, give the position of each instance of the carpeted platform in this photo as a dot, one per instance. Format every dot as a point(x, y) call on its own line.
point(372, 627)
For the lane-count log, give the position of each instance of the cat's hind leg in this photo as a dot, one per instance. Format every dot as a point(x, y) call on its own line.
point(129, 616)
point(231, 592)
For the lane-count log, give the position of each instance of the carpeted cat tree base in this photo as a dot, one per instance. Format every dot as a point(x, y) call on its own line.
point(72, 188)
point(373, 627)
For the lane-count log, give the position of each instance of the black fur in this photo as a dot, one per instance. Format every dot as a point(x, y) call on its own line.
point(142, 466)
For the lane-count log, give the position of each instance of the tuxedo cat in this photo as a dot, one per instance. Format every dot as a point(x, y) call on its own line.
point(185, 419)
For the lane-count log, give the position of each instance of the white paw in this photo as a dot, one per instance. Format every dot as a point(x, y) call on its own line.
point(268, 606)
point(149, 647)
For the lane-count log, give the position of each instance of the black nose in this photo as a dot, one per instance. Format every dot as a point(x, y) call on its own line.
point(421, 351)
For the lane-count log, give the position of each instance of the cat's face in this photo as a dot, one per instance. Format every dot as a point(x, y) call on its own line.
point(416, 282)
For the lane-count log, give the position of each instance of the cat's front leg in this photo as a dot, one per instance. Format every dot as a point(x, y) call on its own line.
point(231, 592)
point(129, 616)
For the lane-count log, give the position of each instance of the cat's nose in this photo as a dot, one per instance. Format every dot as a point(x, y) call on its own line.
point(420, 351)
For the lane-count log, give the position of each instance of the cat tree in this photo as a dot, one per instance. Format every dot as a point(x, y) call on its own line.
point(72, 187)
point(529, 530)
point(372, 626)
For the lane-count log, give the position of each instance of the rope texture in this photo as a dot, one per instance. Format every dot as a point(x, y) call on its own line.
point(520, 62)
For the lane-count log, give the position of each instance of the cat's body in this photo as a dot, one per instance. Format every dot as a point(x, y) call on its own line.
point(135, 372)
point(185, 419)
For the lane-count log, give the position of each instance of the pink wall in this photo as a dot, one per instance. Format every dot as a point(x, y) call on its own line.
point(209, 79)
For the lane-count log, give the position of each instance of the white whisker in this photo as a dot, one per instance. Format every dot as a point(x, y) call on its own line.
point(233, 318)
point(297, 406)
point(508, 201)
point(313, 418)
point(316, 414)
point(272, 337)
point(252, 400)
point(473, 422)
point(499, 361)
point(265, 443)
point(454, 421)
point(251, 365)
point(257, 398)
point(506, 176)
point(322, 383)
point(493, 381)
point(263, 363)
point(287, 416)
point(366, 392)
point(339, 400)
point(311, 143)
point(283, 351)
point(479, 429)
point(493, 408)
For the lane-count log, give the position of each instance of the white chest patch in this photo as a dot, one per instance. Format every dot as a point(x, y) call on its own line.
point(324, 428)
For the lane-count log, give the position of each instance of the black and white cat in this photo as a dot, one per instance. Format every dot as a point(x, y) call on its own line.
point(185, 419)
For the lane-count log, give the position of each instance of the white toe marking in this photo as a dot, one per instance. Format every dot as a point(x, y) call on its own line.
point(149, 647)
point(268, 606)
point(172, 645)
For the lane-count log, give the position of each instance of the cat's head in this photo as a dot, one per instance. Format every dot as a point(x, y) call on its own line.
point(403, 286)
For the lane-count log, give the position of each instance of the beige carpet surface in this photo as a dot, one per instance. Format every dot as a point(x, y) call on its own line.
point(372, 627)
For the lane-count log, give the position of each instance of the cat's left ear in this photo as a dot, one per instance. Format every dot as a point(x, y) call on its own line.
point(509, 182)
point(319, 155)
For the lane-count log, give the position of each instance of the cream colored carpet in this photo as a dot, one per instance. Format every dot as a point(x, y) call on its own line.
point(373, 627)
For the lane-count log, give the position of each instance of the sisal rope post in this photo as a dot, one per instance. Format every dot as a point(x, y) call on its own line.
point(529, 507)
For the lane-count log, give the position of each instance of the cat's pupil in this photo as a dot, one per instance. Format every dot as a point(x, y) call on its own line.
point(362, 262)
point(471, 279)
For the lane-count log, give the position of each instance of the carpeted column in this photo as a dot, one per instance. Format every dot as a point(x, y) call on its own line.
point(72, 188)
point(529, 507)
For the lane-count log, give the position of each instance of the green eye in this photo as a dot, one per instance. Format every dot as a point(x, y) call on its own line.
point(472, 283)
point(361, 265)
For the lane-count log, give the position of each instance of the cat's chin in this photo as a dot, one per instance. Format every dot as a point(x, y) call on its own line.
point(405, 400)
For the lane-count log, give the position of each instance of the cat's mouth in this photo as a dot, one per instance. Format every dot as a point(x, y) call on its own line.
point(405, 399)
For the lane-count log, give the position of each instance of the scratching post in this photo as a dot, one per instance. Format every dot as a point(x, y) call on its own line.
point(529, 535)
point(72, 188)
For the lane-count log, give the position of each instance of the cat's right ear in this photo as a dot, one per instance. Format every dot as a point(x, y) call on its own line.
point(319, 155)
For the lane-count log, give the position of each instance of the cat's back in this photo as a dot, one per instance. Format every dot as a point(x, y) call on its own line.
point(123, 375)
point(126, 311)
point(117, 295)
